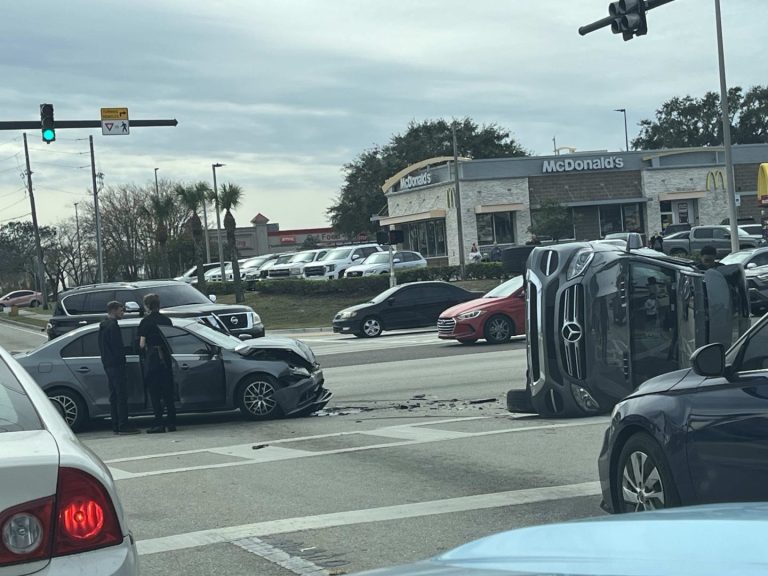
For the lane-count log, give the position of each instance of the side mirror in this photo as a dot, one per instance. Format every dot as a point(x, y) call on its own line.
point(132, 307)
point(396, 261)
point(212, 298)
point(245, 337)
point(356, 257)
point(751, 265)
point(709, 360)
point(391, 300)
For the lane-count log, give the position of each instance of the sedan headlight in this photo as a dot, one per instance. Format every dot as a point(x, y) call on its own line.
point(295, 271)
point(346, 314)
point(580, 262)
point(470, 315)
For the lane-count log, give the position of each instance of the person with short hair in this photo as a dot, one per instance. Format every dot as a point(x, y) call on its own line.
point(158, 370)
point(113, 359)
point(707, 258)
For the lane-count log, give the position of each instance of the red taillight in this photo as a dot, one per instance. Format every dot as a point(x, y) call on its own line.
point(25, 532)
point(86, 517)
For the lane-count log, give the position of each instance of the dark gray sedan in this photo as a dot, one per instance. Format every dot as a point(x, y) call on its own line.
point(264, 378)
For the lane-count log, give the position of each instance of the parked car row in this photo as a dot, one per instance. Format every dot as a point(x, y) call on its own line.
point(459, 314)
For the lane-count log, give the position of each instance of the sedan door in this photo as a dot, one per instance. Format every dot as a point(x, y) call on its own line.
point(727, 440)
point(403, 309)
point(198, 371)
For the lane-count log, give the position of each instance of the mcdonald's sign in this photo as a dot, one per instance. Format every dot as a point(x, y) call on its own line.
point(716, 178)
point(762, 185)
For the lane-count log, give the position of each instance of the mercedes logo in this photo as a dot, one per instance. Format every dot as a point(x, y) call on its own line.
point(572, 332)
point(234, 320)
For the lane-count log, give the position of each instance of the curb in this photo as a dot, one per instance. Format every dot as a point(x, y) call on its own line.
point(300, 330)
point(31, 327)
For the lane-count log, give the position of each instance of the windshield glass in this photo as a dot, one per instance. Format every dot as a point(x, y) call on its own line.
point(338, 254)
point(304, 257)
point(253, 263)
point(386, 294)
point(283, 259)
point(177, 295)
point(736, 257)
point(507, 288)
point(16, 410)
point(377, 258)
point(215, 337)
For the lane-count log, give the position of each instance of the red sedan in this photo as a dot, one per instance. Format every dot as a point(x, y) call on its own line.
point(496, 317)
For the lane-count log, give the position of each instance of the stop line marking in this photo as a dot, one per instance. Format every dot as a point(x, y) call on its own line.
point(365, 516)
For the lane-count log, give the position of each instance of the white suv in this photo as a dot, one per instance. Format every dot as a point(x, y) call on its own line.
point(337, 260)
point(294, 268)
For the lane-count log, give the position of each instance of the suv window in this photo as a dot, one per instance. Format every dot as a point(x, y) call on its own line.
point(16, 410)
point(96, 302)
point(74, 304)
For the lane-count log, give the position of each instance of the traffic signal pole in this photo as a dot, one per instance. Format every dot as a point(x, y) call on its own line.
point(99, 253)
point(38, 245)
point(608, 20)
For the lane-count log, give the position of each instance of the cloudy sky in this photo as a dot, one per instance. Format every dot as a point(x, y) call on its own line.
point(284, 92)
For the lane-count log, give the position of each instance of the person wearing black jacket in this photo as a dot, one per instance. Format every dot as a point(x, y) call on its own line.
point(113, 360)
point(158, 371)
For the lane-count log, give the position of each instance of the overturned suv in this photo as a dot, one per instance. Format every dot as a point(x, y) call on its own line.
point(88, 304)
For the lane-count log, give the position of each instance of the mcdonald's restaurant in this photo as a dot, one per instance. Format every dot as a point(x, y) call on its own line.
point(605, 192)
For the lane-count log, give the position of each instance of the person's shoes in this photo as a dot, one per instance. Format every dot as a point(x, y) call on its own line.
point(156, 430)
point(127, 431)
point(171, 428)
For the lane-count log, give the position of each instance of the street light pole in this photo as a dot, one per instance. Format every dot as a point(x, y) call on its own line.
point(218, 220)
point(730, 179)
point(157, 190)
point(99, 252)
point(79, 251)
point(626, 133)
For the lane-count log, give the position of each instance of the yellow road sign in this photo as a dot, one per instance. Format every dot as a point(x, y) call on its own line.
point(114, 113)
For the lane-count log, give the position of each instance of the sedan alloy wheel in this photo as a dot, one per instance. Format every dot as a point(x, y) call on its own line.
point(371, 327)
point(257, 398)
point(70, 407)
point(498, 329)
point(642, 481)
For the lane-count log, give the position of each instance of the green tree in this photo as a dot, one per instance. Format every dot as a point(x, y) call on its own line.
point(694, 122)
point(161, 208)
point(551, 219)
point(310, 243)
point(360, 196)
point(192, 197)
point(229, 199)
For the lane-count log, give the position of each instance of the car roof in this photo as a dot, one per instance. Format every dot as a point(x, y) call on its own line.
point(124, 285)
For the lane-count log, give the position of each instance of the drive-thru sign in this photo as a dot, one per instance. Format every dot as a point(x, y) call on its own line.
point(114, 122)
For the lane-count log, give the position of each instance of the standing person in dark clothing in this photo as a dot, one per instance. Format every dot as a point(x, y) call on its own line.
point(707, 258)
point(113, 360)
point(158, 372)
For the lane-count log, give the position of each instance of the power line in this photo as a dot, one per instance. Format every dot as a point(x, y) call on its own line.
point(17, 217)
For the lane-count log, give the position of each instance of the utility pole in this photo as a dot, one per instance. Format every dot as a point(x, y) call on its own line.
point(730, 178)
point(218, 220)
point(38, 245)
point(205, 229)
point(99, 255)
point(157, 190)
point(626, 133)
point(79, 251)
point(457, 186)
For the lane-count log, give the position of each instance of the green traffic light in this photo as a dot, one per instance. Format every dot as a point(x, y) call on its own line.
point(49, 135)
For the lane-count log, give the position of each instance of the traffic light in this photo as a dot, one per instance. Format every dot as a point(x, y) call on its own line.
point(628, 18)
point(47, 124)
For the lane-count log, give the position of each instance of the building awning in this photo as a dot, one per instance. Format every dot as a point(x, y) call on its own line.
point(490, 208)
point(664, 196)
point(389, 220)
point(607, 202)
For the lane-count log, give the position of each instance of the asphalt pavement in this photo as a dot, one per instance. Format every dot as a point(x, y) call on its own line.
point(415, 454)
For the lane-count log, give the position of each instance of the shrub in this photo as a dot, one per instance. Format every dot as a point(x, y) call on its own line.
point(354, 286)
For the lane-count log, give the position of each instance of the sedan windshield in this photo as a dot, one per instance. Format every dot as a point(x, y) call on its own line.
point(283, 259)
point(16, 410)
point(506, 289)
point(254, 262)
point(214, 336)
point(737, 257)
point(386, 294)
point(304, 257)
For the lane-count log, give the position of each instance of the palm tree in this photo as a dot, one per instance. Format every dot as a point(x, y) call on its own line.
point(161, 209)
point(192, 198)
point(206, 192)
point(229, 198)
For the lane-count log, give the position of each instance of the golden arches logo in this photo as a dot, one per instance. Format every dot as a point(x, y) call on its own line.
point(716, 178)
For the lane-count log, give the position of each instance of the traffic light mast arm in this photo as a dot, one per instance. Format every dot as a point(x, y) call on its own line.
point(603, 22)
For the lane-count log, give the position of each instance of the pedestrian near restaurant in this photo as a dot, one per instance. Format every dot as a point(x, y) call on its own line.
point(474, 254)
point(657, 242)
point(158, 372)
point(495, 253)
point(113, 359)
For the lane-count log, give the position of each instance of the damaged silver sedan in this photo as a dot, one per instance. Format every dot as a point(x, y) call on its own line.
point(264, 378)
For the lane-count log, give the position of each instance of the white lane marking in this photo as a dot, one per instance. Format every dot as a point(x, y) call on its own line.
point(382, 514)
point(287, 440)
point(295, 564)
point(427, 437)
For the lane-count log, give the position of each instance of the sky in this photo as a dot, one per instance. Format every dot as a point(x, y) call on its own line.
point(285, 92)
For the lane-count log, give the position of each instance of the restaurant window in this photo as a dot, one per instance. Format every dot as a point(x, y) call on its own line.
point(496, 227)
point(621, 218)
point(426, 237)
point(571, 235)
